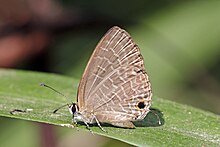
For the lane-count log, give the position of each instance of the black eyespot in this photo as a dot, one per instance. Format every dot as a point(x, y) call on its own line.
point(141, 105)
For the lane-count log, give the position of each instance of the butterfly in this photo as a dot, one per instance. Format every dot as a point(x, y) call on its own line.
point(114, 87)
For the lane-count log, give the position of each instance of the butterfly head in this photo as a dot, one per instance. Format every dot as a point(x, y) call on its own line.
point(73, 108)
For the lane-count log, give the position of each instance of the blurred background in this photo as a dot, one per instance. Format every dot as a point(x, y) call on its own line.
point(179, 40)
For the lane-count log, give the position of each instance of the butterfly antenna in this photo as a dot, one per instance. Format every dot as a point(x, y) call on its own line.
point(44, 85)
point(60, 108)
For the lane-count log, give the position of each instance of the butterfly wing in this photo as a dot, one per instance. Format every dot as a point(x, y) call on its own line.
point(115, 86)
point(90, 80)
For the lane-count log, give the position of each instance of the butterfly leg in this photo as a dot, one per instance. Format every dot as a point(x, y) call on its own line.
point(74, 122)
point(87, 126)
point(97, 121)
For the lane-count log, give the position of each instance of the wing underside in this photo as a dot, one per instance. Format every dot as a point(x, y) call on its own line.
point(115, 82)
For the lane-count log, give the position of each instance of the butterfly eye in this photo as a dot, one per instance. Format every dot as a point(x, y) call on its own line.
point(141, 105)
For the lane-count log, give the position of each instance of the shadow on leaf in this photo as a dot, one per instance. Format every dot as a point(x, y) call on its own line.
point(153, 119)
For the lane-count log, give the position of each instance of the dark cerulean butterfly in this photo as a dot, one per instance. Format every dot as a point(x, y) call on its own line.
point(114, 88)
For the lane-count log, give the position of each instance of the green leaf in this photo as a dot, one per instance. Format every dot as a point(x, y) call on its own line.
point(181, 124)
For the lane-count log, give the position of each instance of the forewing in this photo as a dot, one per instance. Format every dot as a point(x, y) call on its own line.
point(96, 70)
